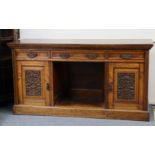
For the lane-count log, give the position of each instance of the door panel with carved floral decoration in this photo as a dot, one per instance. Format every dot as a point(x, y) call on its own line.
point(33, 83)
point(126, 83)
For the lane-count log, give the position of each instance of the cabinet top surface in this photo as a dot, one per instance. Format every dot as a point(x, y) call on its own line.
point(84, 43)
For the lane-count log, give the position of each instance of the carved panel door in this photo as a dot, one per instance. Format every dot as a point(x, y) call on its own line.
point(126, 86)
point(33, 83)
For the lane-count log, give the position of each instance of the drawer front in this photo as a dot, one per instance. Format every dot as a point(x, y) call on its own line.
point(125, 55)
point(85, 55)
point(32, 54)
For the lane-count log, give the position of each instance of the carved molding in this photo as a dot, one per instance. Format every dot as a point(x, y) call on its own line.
point(126, 86)
point(33, 83)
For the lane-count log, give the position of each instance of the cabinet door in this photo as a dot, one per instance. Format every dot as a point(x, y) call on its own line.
point(126, 86)
point(33, 83)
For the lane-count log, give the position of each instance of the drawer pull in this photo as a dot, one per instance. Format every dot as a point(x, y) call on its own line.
point(32, 55)
point(126, 56)
point(65, 55)
point(91, 56)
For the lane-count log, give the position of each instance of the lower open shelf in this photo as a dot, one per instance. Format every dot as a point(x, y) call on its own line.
point(70, 103)
point(79, 84)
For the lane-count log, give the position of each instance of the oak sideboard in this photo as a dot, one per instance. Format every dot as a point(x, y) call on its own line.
point(82, 78)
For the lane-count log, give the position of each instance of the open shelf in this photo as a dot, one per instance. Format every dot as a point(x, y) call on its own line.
point(79, 84)
point(72, 103)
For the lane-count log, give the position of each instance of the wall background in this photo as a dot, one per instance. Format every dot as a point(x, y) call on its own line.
point(100, 34)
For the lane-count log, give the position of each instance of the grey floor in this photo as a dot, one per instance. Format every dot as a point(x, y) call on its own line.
point(9, 119)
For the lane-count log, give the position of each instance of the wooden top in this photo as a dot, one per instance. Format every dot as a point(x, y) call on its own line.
point(144, 44)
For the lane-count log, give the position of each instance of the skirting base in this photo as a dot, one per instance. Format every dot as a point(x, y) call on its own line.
point(78, 112)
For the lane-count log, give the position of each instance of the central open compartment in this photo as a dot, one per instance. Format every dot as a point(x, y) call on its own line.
point(79, 84)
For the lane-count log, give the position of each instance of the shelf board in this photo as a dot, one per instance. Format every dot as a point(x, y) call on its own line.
point(79, 104)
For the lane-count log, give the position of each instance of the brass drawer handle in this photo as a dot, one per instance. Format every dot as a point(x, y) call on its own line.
point(91, 56)
point(65, 55)
point(32, 55)
point(126, 56)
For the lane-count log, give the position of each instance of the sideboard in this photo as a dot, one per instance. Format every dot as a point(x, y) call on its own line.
point(82, 78)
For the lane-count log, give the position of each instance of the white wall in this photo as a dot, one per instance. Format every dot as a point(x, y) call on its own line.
point(88, 33)
point(100, 34)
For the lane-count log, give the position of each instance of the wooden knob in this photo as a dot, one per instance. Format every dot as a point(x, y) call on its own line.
point(91, 56)
point(126, 56)
point(32, 55)
point(65, 55)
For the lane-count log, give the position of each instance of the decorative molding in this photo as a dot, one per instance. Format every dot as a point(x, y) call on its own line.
point(126, 86)
point(33, 82)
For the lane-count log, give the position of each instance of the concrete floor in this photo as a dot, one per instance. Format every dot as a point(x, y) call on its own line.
point(9, 119)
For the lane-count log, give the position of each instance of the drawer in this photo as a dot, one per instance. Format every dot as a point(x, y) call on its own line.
point(125, 55)
point(85, 55)
point(32, 54)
